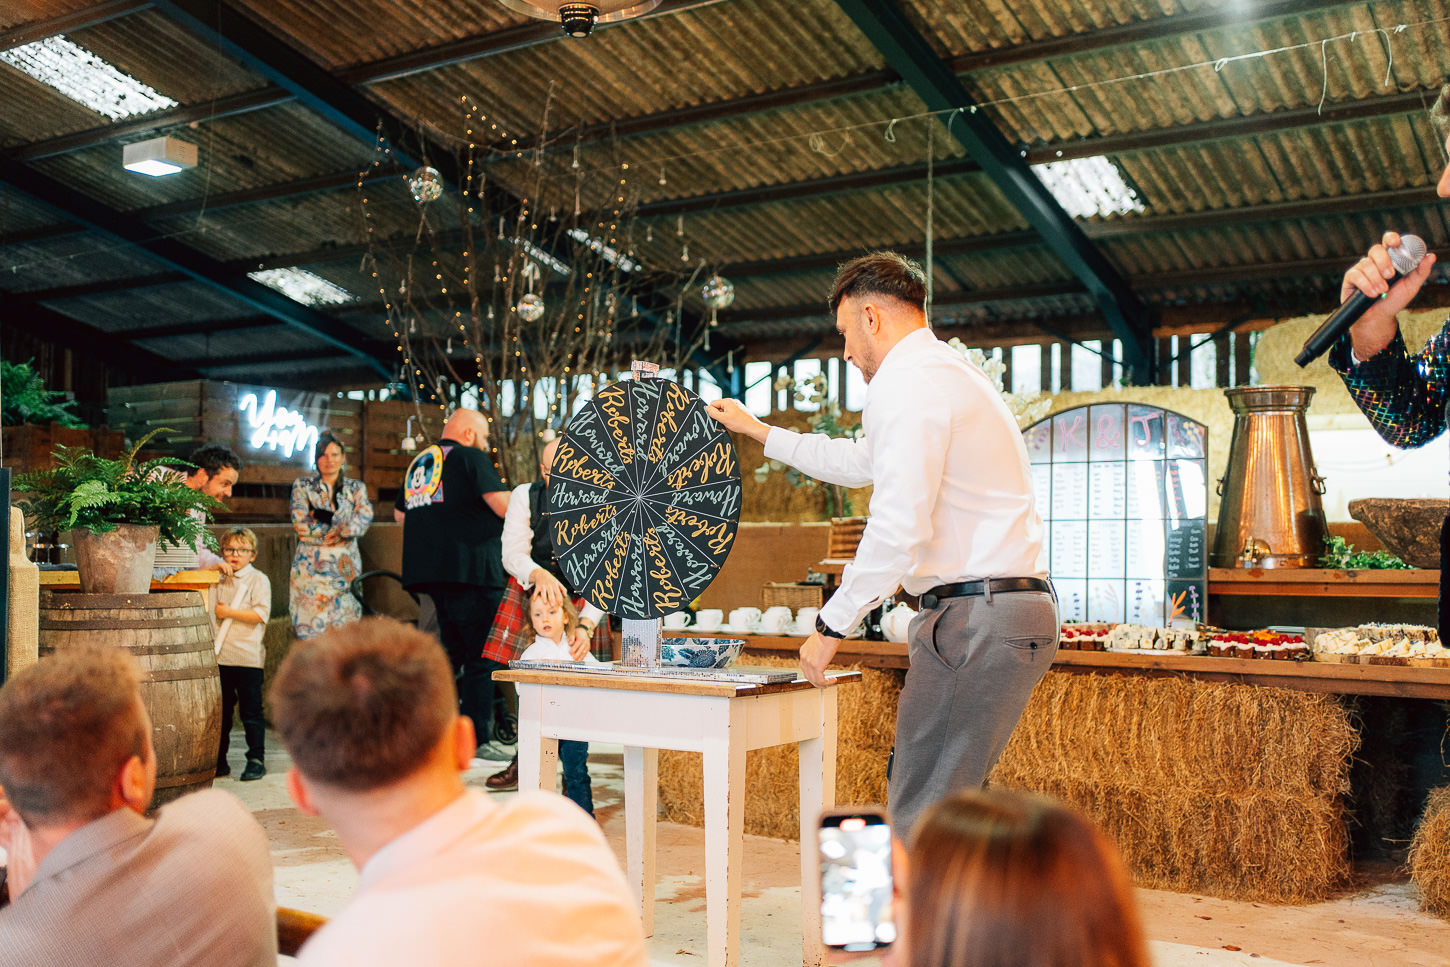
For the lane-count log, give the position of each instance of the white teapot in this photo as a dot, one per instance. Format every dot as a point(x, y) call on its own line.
point(896, 622)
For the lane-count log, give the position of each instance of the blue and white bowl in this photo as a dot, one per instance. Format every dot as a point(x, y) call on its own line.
point(700, 652)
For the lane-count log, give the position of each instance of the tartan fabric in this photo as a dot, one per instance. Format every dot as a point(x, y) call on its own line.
point(512, 630)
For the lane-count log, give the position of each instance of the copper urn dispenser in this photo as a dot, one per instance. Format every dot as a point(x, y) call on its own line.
point(1270, 514)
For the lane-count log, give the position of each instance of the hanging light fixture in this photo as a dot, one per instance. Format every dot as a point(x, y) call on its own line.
point(718, 293)
point(579, 18)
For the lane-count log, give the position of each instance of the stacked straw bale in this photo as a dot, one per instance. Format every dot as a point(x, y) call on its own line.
point(1236, 791)
point(865, 730)
point(1430, 854)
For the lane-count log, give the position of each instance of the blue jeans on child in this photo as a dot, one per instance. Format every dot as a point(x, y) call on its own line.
point(574, 757)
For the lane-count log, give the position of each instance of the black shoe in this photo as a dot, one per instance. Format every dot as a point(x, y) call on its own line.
point(222, 769)
point(254, 770)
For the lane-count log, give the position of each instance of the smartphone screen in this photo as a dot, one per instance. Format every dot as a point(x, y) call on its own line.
point(855, 856)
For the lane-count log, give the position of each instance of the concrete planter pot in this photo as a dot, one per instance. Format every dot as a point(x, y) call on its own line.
point(117, 562)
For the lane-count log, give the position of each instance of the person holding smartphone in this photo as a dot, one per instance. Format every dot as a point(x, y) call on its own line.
point(330, 511)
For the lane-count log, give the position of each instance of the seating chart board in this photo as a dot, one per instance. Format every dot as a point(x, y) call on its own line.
point(1123, 492)
point(643, 498)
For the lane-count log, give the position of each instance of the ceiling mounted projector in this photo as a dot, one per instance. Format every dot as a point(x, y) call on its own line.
point(578, 19)
point(159, 156)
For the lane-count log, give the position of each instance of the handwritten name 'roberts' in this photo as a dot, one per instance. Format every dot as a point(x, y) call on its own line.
point(713, 463)
point(568, 531)
point(717, 533)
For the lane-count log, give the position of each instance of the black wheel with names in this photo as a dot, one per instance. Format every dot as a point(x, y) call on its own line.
point(643, 499)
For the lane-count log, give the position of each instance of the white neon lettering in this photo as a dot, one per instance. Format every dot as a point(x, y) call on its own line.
point(276, 427)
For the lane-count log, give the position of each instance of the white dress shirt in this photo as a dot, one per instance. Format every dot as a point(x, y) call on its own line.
point(530, 882)
point(518, 540)
point(953, 494)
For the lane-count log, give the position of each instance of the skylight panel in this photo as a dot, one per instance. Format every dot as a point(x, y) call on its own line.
point(302, 286)
point(85, 78)
point(1085, 187)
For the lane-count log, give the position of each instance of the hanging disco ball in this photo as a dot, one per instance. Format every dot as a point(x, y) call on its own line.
point(426, 184)
point(719, 292)
point(530, 308)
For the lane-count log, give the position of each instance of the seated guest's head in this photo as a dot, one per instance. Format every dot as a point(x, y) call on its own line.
point(1007, 879)
point(368, 713)
point(75, 739)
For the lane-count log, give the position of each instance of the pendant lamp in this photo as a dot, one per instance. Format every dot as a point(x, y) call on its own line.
point(579, 18)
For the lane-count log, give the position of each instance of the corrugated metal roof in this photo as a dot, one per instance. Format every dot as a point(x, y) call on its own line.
point(769, 140)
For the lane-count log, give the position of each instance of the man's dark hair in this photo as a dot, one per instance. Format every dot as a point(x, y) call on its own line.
point(1440, 114)
point(67, 725)
point(880, 273)
point(213, 457)
point(361, 706)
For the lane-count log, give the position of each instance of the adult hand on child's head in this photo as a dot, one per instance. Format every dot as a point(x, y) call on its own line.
point(547, 587)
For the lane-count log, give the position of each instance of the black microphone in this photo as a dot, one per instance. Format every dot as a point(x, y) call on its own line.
point(1405, 256)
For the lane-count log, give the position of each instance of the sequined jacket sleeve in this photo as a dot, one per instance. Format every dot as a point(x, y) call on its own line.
point(1403, 394)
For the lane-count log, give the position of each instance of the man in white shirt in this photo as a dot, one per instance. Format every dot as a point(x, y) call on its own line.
point(214, 473)
point(953, 520)
point(448, 876)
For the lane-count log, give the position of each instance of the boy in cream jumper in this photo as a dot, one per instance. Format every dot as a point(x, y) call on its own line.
point(243, 605)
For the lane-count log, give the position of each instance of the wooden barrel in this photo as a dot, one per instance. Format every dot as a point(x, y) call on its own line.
point(171, 638)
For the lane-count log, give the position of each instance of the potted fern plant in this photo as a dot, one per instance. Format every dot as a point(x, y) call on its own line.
point(116, 510)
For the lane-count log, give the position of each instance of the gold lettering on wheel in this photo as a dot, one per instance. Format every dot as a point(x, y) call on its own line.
point(717, 532)
point(617, 421)
point(675, 403)
point(568, 532)
point(604, 585)
point(715, 462)
point(570, 464)
point(669, 596)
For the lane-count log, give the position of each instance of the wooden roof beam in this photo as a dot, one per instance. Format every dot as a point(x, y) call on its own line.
point(29, 33)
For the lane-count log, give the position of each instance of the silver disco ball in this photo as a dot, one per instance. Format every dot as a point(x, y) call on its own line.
point(426, 184)
point(531, 308)
point(719, 292)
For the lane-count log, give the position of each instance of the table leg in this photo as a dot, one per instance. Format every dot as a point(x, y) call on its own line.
point(641, 805)
point(817, 792)
point(724, 762)
point(538, 756)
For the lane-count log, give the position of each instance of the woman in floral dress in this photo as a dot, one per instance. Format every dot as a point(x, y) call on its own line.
point(329, 513)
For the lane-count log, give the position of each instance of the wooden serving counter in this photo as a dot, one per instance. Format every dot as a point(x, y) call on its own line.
point(1305, 676)
point(1324, 582)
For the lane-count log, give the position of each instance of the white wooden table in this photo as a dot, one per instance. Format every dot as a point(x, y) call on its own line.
point(720, 720)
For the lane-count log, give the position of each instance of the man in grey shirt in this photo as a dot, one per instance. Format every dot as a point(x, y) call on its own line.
point(92, 879)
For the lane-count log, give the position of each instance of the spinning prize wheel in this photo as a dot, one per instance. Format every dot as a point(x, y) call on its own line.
point(643, 499)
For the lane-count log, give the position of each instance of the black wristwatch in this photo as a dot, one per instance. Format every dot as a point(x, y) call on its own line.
point(825, 629)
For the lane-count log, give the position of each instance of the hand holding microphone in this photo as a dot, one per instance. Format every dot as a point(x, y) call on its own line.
point(1369, 290)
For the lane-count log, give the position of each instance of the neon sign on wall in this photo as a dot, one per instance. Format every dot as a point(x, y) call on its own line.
point(276, 428)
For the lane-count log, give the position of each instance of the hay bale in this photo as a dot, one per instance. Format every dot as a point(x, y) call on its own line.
point(865, 730)
point(1430, 854)
point(1236, 791)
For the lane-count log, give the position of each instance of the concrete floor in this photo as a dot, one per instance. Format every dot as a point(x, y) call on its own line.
point(1377, 925)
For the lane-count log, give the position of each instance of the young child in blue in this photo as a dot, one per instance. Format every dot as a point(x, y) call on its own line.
point(554, 625)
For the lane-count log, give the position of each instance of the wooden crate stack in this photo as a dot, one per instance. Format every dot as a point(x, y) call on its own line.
point(383, 459)
point(29, 447)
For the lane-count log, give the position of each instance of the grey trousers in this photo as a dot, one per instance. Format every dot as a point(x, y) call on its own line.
point(973, 664)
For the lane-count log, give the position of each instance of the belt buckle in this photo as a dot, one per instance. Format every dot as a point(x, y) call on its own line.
point(929, 601)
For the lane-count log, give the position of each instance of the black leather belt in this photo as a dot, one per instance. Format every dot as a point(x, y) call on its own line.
point(997, 586)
